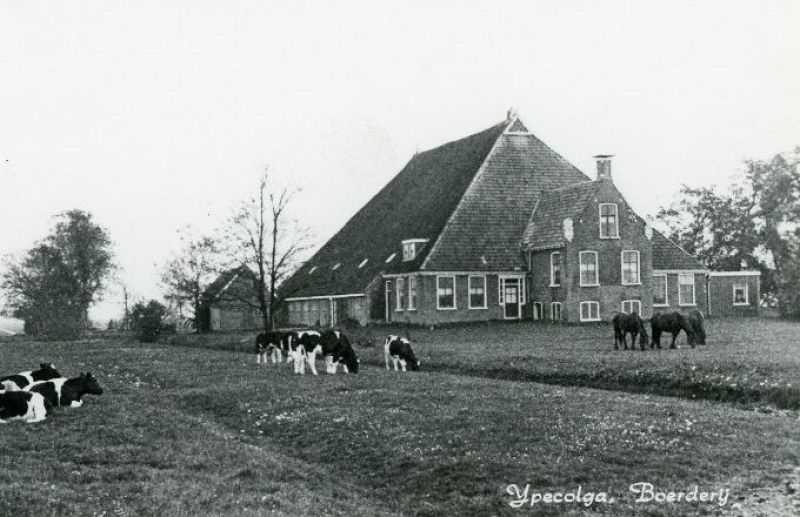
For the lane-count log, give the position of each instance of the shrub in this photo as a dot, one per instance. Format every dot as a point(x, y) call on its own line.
point(147, 320)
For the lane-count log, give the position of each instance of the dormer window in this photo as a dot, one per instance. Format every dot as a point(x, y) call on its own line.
point(312, 270)
point(391, 257)
point(609, 221)
point(363, 263)
point(336, 266)
point(411, 248)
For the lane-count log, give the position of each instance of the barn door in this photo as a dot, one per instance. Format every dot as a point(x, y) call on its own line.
point(388, 295)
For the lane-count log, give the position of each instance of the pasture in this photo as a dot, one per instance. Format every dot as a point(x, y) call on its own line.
point(193, 431)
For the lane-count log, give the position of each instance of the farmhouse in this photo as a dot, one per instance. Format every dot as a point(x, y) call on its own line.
point(229, 302)
point(499, 226)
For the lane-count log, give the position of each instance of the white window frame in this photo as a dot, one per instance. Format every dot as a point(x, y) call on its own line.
point(469, 292)
point(399, 285)
point(540, 305)
point(555, 254)
point(746, 288)
point(363, 263)
point(694, 291)
point(638, 267)
point(589, 304)
point(553, 306)
point(391, 258)
point(438, 298)
point(412, 300)
point(666, 291)
point(638, 311)
point(501, 289)
point(596, 269)
point(409, 251)
point(616, 220)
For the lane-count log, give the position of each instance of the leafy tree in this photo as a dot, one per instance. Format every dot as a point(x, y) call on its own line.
point(264, 237)
point(754, 223)
point(147, 320)
point(188, 274)
point(52, 285)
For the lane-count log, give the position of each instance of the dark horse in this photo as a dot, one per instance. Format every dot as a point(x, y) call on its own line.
point(695, 318)
point(672, 322)
point(625, 324)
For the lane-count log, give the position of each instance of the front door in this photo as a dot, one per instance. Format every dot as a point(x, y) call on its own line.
point(388, 295)
point(511, 299)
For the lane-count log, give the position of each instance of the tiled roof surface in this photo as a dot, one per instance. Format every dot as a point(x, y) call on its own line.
point(415, 204)
point(668, 255)
point(546, 227)
point(485, 231)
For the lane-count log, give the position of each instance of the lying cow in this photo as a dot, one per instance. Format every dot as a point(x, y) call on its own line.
point(273, 344)
point(22, 405)
point(45, 372)
point(333, 346)
point(400, 350)
point(67, 392)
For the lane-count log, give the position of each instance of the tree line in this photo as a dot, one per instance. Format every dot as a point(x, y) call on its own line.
point(753, 224)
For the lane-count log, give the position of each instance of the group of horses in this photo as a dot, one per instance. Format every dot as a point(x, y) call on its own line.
point(661, 322)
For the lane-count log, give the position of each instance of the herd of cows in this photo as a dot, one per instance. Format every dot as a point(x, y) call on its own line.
point(303, 346)
point(30, 396)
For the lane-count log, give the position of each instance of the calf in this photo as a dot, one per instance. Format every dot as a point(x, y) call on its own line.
point(45, 372)
point(400, 350)
point(334, 347)
point(22, 405)
point(273, 344)
point(67, 392)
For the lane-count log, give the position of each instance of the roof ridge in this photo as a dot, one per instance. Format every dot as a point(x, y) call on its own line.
point(505, 123)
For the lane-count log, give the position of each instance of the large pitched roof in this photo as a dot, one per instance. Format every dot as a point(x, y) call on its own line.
point(415, 204)
point(545, 229)
point(485, 230)
point(668, 255)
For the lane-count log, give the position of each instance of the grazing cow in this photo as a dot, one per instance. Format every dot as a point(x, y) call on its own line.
point(695, 318)
point(672, 322)
point(632, 324)
point(67, 392)
point(334, 346)
point(22, 405)
point(273, 344)
point(301, 342)
point(400, 350)
point(45, 372)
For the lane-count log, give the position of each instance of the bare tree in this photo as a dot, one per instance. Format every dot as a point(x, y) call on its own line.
point(187, 275)
point(268, 240)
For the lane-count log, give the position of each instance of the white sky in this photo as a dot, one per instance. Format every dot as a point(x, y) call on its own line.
point(154, 115)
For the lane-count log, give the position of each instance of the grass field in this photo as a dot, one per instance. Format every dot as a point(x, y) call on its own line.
point(190, 431)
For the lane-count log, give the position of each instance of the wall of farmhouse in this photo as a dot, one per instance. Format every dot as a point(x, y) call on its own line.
point(737, 295)
point(675, 302)
point(426, 311)
point(610, 293)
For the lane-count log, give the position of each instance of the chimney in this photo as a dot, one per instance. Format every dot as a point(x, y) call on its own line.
point(604, 166)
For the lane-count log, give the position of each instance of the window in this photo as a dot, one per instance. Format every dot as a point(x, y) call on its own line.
point(408, 251)
point(590, 311)
point(609, 225)
point(517, 282)
point(555, 269)
point(537, 310)
point(630, 267)
point(660, 290)
point(399, 294)
point(686, 289)
point(588, 260)
point(477, 292)
point(740, 294)
point(412, 293)
point(445, 292)
point(555, 311)
point(630, 306)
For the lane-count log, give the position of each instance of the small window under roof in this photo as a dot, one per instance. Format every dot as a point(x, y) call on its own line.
point(363, 263)
point(336, 266)
point(312, 270)
point(391, 257)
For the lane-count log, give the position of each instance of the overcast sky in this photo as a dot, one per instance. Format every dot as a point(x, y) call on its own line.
point(154, 115)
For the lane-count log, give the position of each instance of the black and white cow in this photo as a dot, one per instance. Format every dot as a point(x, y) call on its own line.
point(45, 372)
point(300, 342)
point(67, 392)
point(334, 346)
point(22, 405)
point(274, 344)
point(400, 350)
